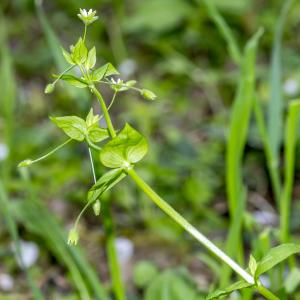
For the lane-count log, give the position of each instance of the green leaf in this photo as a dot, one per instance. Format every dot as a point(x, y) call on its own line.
point(104, 71)
point(91, 119)
point(95, 133)
point(73, 126)
point(75, 81)
point(105, 183)
point(252, 265)
point(79, 52)
point(292, 281)
point(171, 285)
point(128, 147)
point(239, 285)
point(91, 59)
point(275, 256)
point(143, 273)
point(67, 56)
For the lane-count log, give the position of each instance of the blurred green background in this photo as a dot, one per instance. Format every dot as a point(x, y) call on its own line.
point(173, 48)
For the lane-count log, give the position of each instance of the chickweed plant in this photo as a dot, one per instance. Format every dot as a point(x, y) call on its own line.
point(120, 150)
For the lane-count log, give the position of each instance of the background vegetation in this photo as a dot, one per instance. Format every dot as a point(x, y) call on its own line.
point(176, 49)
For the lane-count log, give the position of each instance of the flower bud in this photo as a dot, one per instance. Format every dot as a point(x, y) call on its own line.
point(73, 237)
point(147, 94)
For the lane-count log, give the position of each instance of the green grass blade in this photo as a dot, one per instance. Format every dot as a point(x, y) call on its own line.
point(271, 161)
point(8, 96)
point(290, 145)
point(12, 229)
point(224, 29)
point(276, 105)
point(239, 124)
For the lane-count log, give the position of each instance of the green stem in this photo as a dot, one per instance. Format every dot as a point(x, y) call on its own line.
point(114, 266)
point(84, 33)
point(265, 292)
point(92, 145)
point(195, 233)
point(52, 151)
point(110, 126)
point(187, 226)
point(111, 252)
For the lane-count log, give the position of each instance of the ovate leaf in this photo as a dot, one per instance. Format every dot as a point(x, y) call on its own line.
point(97, 134)
point(67, 56)
point(239, 285)
point(79, 52)
point(91, 59)
point(128, 147)
point(75, 81)
point(73, 126)
point(275, 256)
point(105, 183)
point(104, 71)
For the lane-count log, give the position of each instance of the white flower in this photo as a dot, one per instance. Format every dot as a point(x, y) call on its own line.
point(87, 17)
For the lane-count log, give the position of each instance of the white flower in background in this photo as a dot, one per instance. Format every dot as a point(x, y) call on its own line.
point(29, 253)
point(87, 17)
point(3, 151)
point(6, 282)
point(291, 87)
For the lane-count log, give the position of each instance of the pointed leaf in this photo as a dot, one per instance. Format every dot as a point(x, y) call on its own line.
point(75, 81)
point(67, 56)
point(239, 285)
point(128, 147)
point(73, 126)
point(275, 256)
point(104, 71)
point(105, 183)
point(91, 59)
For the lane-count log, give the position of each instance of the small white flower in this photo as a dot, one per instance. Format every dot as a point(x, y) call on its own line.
point(87, 17)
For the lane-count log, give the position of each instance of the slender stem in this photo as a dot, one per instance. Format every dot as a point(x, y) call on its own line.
point(114, 266)
point(195, 233)
point(112, 100)
point(92, 165)
point(92, 145)
point(84, 33)
point(188, 227)
point(121, 85)
point(265, 292)
point(63, 73)
point(110, 126)
point(111, 252)
point(52, 151)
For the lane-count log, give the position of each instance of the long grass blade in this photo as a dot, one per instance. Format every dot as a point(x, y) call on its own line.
point(240, 117)
point(276, 105)
point(37, 219)
point(224, 29)
point(290, 145)
point(13, 231)
point(239, 124)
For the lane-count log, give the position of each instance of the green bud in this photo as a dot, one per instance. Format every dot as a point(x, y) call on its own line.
point(148, 95)
point(49, 88)
point(97, 208)
point(73, 237)
point(25, 163)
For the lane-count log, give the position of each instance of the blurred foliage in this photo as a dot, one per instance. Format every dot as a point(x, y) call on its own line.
point(173, 48)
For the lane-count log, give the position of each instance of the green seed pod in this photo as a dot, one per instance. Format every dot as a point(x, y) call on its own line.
point(97, 208)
